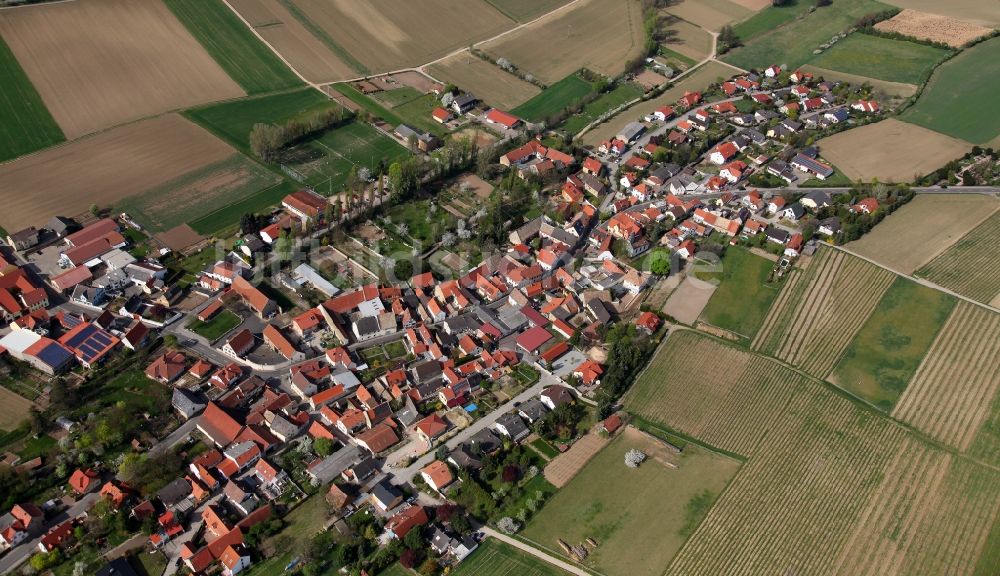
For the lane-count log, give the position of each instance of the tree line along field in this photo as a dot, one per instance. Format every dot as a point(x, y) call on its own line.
point(958, 94)
point(820, 309)
point(829, 486)
point(744, 294)
point(953, 395)
point(600, 35)
point(886, 352)
point(149, 62)
point(953, 216)
point(25, 122)
point(881, 58)
point(495, 558)
point(554, 99)
point(232, 121)
point(245, 58)
point(619, 507)
point(970, 266)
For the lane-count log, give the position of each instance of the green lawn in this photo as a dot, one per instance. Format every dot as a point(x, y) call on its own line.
point(620, 507)
point(554, 98)
point(353, 144)
point(227, 216)
point(25, 122)
point(608, 101)
point(139, 393)
point(206, 190)
point(770, 18)
point(495, 558)
point(301, 525)
point(744, 296)
point(233, 120)
point(525, 10)
point(216, 326)
point(893, 341)
point(414, 215)
point(246, 59)
point(393, 98)
point(881, 58)
point(416, 113)
point(793, 43)
point(544, 448)
point(956, 100)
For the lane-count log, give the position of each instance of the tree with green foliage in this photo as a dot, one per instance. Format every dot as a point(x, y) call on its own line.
point(323, 447)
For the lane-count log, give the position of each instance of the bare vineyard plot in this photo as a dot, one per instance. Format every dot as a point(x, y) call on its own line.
point(953, 395)
point(817, 315)
point(831, 487)
point(971, 266)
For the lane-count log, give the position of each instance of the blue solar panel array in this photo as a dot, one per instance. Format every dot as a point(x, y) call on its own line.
point(54, 355)
point(90, 342)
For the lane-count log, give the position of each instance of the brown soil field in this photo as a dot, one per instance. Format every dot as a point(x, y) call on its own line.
point(179, 237)
point(101, 63)
point(13, 409)
point(597, 34)
point(984, 13)
point(924, 26)
point(687, 38)
point(103, 169)
point(482, 137)
point(890, 150)
point(485, 80)
point(714, 14)
point(926, 226)
point(394, 34)
point(563, 467)
point(686, 303)
point(951, 393)
point(888, 93)
point(279, 28)
point(693, 82)
point(414, 80)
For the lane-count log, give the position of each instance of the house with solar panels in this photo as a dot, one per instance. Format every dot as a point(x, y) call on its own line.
point(90, 343)
point(43, 354)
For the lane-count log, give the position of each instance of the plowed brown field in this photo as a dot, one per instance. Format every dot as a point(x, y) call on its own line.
point(101, 63)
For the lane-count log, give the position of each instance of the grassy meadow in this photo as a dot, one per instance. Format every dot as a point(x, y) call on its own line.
point(25, 122)
point(744, 295)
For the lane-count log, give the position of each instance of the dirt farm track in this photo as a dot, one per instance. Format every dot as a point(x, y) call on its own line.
point(101, 63)
point(103, 169)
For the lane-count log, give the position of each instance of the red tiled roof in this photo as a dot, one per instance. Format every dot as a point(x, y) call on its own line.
point(533, 338)
point(500, 117)
point(219, 425)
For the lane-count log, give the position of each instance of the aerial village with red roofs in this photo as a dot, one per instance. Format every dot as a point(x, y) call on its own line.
point(390, 362)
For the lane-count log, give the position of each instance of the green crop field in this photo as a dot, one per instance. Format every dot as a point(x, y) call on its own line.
point(215, 327)
point(608, 101)
point(408, 113)
point(554, 98)
point(495, 558)
point(229, 215)
point(769, 18)
point(232, 121)
point(744, 295)
point(793, 42)
point(25, 122)
point(881, 58)
point(618, 506)
point(957, 99)
point(885, 354)
point(525, 10)
point(246, 59)
point(203, 191)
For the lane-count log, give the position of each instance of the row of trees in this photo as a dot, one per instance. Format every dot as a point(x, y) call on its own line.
point(267, 140)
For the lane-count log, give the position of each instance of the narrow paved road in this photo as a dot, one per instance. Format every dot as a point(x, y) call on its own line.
point(407, 474)
point(535, 552)
point(23, 551)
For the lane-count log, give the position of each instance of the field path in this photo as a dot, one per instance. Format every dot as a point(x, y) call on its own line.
point(534, 552)
point(270, 47)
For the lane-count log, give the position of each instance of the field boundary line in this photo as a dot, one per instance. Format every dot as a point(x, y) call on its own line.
point(541, 552)
point(284, 60)
point(918, 280)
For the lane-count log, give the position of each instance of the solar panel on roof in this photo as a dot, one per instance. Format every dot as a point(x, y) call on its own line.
point(53, 355)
